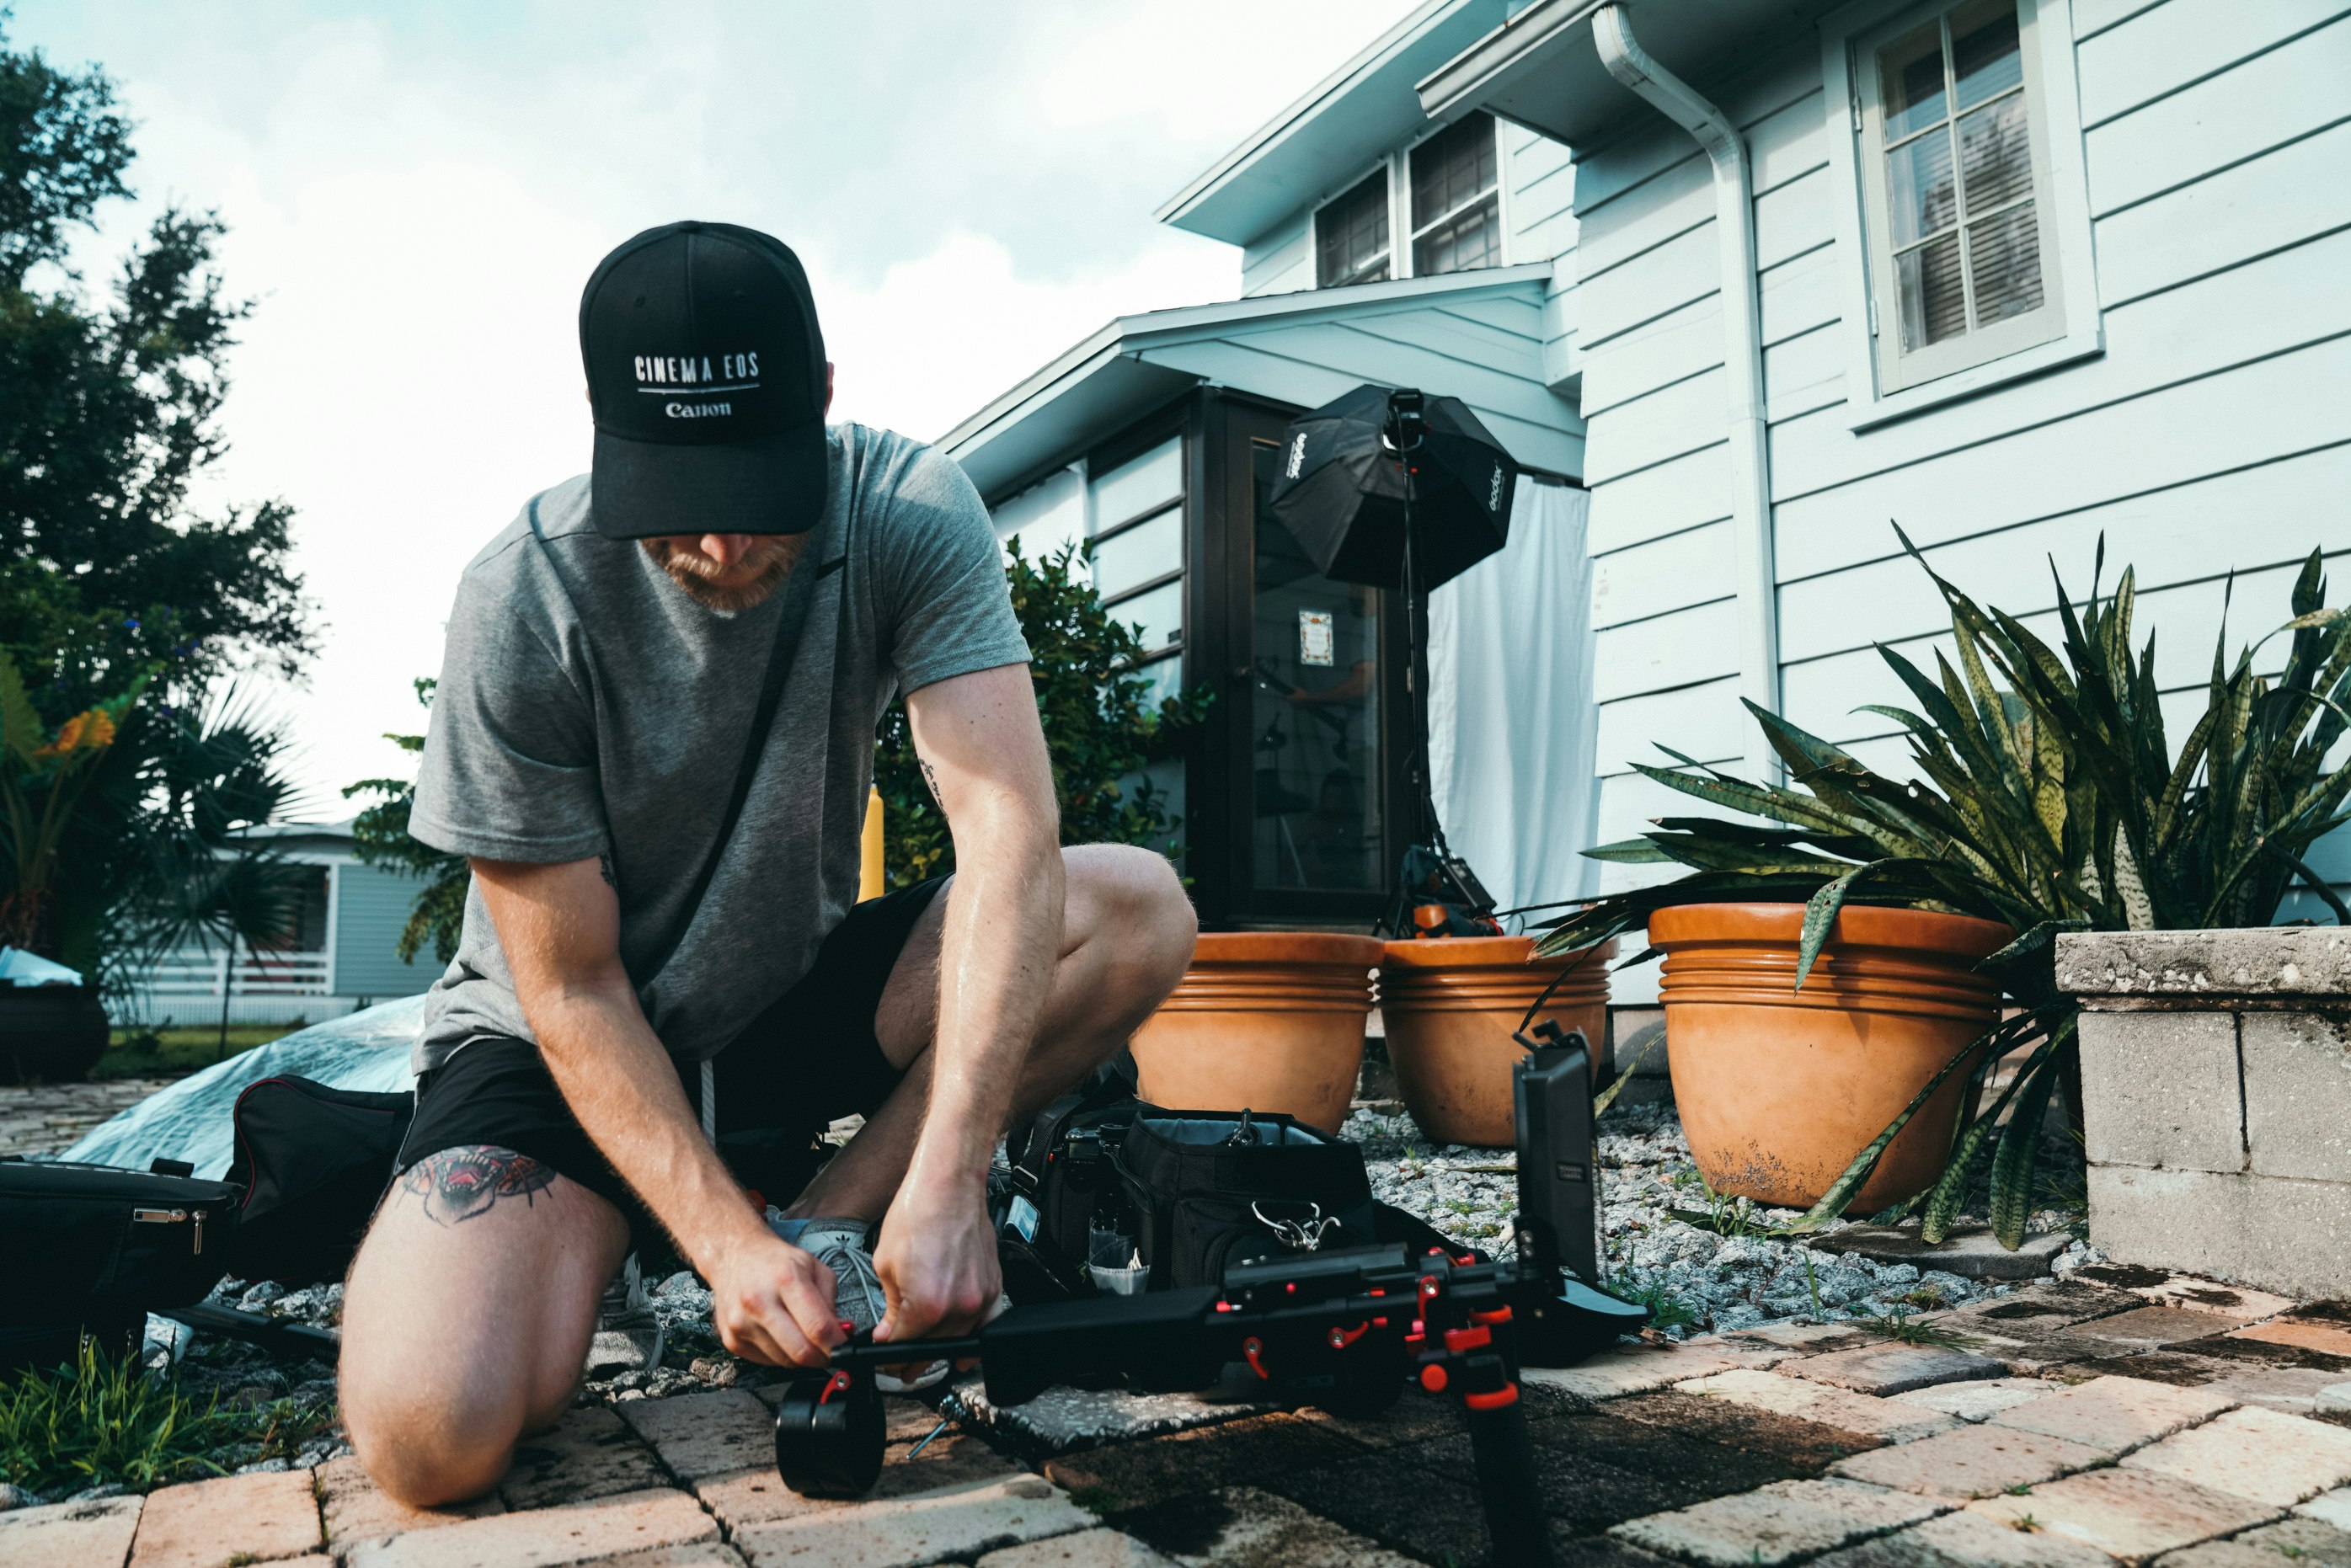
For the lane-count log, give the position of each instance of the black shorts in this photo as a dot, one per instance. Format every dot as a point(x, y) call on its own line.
point(809, 1059)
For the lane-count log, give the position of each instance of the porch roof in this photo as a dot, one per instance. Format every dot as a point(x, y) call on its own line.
point(1329, 137)
point(1477, 335)
point(1539, 67)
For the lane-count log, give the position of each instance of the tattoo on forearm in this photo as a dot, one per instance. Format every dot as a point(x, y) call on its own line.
point(932, 779)
point(459, 1184)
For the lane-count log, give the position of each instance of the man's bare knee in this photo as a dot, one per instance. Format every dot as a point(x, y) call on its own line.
point(466, 1319)
point(1133, 895)
point(424, 1459)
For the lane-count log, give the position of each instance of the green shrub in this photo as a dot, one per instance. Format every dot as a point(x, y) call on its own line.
point(1098, 728)
point(106, 1420)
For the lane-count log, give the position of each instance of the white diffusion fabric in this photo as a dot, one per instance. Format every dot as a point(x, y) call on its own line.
point(1513, 732)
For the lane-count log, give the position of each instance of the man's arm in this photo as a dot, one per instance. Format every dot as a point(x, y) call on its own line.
point(984, 753)
point(559, 928)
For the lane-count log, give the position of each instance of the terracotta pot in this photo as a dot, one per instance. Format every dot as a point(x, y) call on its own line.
point(1263, 1020)
point(1452, 1005)
point(1778, 1089)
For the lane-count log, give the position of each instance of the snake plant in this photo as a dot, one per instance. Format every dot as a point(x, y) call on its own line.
point(2047, 797)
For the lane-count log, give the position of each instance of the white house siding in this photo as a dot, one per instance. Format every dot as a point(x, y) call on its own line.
point(2213, 433)
point(1539, 196)
point(371, 906)
point(1282, 260)
point(1047, 516)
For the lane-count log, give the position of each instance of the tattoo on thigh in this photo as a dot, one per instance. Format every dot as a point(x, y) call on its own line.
point(458, 1184)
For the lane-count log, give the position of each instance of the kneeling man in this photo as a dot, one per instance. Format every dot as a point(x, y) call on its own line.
point(653, 739)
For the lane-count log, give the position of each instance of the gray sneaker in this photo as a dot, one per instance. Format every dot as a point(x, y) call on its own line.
point(629, 1336)
point(840, 1245)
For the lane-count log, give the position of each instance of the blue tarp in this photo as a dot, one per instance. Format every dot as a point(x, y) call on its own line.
point(190, 1120)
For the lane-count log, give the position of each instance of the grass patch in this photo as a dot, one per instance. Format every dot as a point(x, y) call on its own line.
point(102, 1421)
point(1731, 1218)
point(155, 1052)
point(1898, 1324)
point(106, 1421)
point(1665, 1309)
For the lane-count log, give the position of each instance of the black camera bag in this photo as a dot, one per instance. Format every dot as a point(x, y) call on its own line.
point(312, 1161)
point(96, 1246)
point(1211, 1188)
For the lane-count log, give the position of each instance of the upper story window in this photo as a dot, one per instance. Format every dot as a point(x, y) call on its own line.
point(1448, 200)
point(1965, 159)
point(1457, 213)
point(1351, 237)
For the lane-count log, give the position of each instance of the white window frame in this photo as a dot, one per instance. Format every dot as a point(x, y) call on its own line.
point(1881, 387)
point(1385, 169)
point(1397, 168)
point(1400, 183)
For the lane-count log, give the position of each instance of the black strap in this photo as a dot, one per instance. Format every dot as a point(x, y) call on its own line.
point(780, 654)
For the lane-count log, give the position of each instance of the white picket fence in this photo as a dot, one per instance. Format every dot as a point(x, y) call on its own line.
point(185, 988)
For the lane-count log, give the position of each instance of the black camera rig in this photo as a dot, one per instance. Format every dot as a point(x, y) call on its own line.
point(1340, 1330)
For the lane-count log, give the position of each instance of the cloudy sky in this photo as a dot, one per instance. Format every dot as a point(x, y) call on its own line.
point(415, 193)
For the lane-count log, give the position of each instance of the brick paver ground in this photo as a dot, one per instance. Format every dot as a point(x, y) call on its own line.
point(48, 1118)
point(2073, 1425)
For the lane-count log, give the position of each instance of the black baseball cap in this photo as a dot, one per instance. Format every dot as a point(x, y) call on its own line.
point(705, 369)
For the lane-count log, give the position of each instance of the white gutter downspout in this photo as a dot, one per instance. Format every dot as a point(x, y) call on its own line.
point(1750, 457)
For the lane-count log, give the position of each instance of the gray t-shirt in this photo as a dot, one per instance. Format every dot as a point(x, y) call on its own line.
point(588, 707)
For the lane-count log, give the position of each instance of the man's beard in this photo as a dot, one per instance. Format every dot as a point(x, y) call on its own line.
point(694, 573)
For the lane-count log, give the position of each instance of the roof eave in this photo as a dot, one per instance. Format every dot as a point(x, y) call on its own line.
point(1133, 337)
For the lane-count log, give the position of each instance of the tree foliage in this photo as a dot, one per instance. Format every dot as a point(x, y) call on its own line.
point(130, 770)
point(107, 413)
point(380, 837)
point(2049, 799)
point(1099, 727)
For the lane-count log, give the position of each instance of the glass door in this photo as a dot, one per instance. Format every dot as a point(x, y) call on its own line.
point(1315, 710)
point(1303, 743)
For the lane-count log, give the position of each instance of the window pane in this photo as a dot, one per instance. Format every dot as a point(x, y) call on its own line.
point(1996, 153)
point(1911, 77)
point(1934, 303)
point(2005, 253)
point(1166, 678)
point(1918, 189)
point(1160, 613)
point(1145, 551)
point(1351, 236)
point(1136, 486)
point(1985, 58)
point(1454, 166)
point(1472, 240)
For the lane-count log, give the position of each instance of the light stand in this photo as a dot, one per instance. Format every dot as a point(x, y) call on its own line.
point(1431, 871)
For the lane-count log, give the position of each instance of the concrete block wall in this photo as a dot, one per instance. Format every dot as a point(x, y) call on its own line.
point(2216, 1078)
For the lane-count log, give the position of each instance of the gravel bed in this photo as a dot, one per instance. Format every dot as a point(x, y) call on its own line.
point(1697, 1279)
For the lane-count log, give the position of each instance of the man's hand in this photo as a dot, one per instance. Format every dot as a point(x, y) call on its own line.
point(774, 1304)
point(936, 1262)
